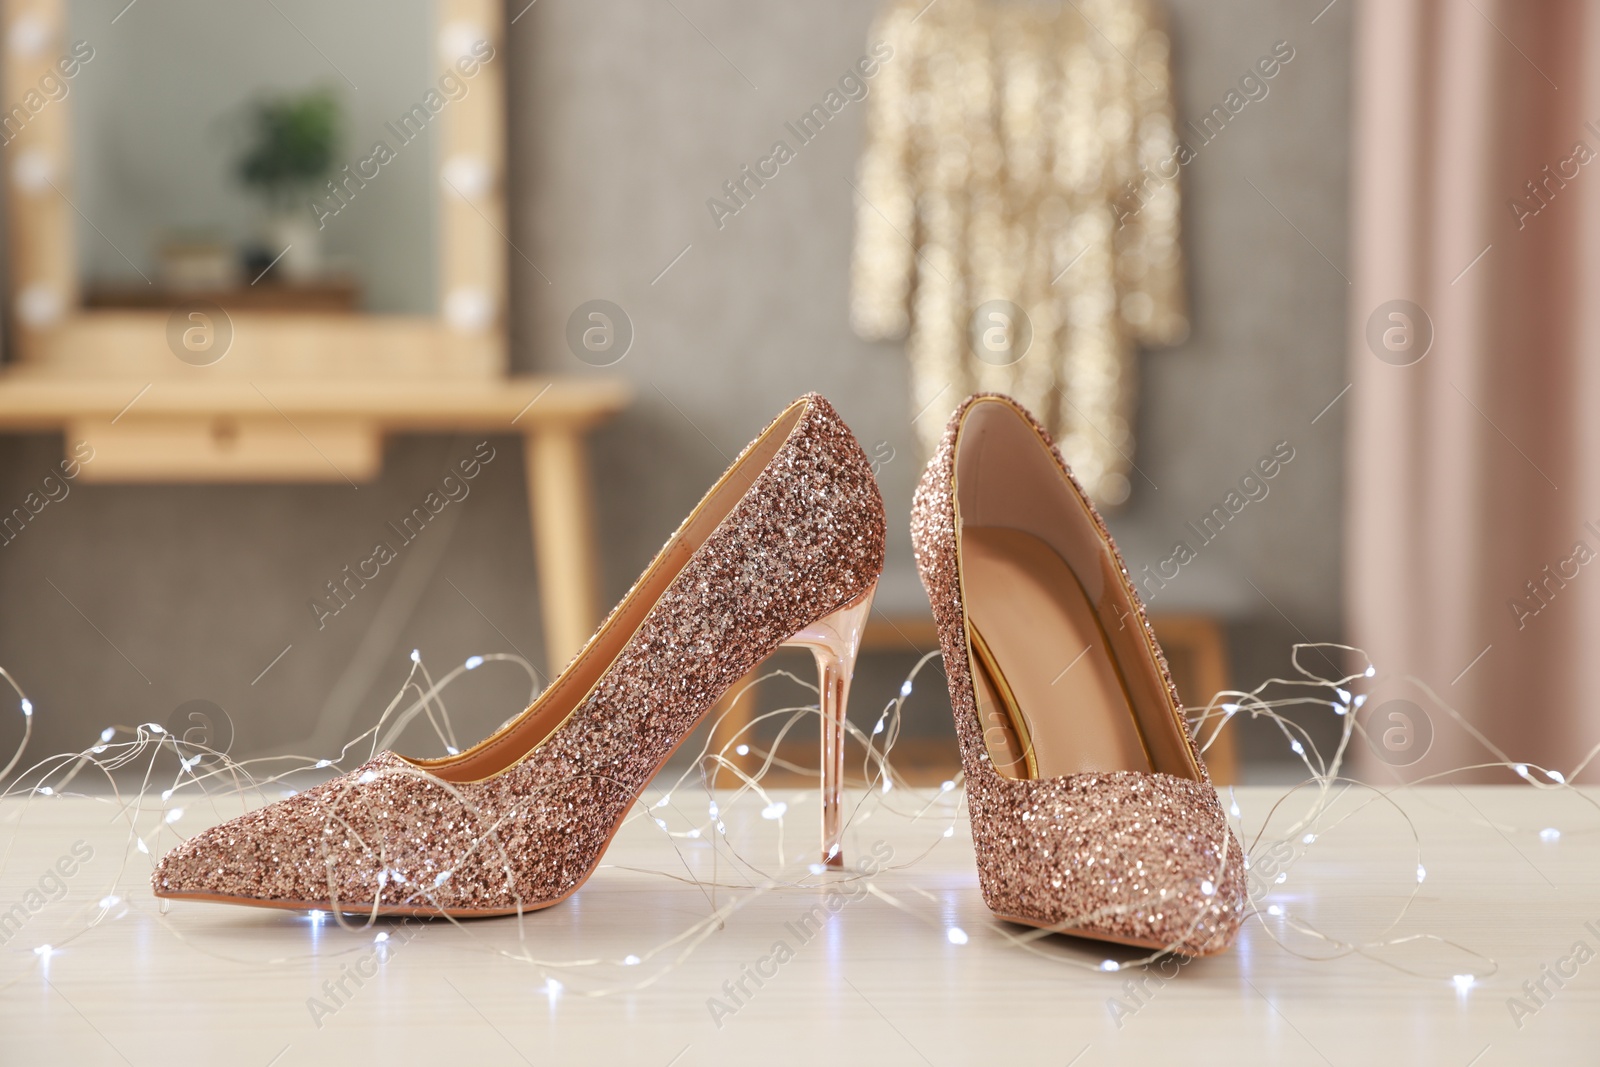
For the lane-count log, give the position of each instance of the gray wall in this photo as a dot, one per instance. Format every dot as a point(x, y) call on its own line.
point(624, 119)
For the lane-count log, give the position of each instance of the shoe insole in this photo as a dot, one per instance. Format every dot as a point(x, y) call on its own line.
point(1050, 698)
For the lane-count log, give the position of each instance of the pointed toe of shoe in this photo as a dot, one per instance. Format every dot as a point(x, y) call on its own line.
point(243, 859)
point(194, 868)
point(285, 854)
point(385, 837)
point(1138, 858)
point(221, 863)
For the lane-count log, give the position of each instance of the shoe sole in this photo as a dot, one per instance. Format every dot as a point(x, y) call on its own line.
point(1094, 935)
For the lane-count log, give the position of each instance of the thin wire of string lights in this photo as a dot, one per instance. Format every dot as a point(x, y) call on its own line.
point(731, 844)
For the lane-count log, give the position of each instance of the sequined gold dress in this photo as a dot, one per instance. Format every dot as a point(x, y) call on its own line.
point(1017, 213)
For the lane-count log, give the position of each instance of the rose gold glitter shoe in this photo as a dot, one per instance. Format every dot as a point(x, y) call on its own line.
point(785, 549)
point(1092, 813)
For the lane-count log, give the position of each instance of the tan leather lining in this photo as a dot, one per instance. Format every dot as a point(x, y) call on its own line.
point(565, 695)
point(1040, 586)
point(1040, 641)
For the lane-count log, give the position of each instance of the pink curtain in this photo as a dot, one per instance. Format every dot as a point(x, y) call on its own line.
point(1473, 500)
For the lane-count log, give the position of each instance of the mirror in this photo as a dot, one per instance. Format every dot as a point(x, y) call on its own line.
point(329, 201)
point(225, 193)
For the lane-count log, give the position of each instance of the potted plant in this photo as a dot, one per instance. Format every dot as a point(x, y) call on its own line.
point(290, 144)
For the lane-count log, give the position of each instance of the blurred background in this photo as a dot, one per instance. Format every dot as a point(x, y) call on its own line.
point(584, 159)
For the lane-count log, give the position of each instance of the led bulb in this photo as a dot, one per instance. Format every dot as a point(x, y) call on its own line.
point(33, 172)
point(456, 40)
point(467, 175)
point(29, 35)
point(469, 309)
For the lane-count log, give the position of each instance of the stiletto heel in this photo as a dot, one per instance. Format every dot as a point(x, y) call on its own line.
point(793, 530)
point(834, 641)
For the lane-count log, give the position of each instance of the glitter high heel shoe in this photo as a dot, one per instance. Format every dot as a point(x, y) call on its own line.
point(785, 549)
point(1092, 813)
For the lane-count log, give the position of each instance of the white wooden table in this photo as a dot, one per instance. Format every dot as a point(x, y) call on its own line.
point(914, 971)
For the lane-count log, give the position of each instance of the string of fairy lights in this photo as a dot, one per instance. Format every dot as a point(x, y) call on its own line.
point(156, 810)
